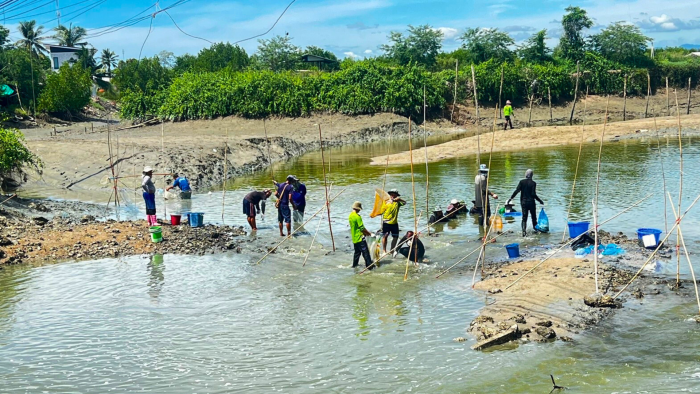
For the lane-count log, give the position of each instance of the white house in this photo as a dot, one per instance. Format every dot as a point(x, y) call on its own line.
point(59, 55)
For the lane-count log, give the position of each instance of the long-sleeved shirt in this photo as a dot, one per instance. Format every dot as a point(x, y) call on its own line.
point(255, 198)
point(147, 185)
point(357, 228)
point(528, 192)
point(480, 191)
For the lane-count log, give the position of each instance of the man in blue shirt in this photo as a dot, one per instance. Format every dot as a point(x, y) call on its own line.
point(284, 195)
point(298, 201)
point(184, 186)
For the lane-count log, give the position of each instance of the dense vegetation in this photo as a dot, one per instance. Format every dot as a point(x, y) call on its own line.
point(14, 154)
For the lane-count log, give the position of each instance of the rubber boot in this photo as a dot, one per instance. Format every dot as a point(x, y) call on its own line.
point(524, 226)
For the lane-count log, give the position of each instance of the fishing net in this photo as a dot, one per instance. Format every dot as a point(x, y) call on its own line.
point(379, 197)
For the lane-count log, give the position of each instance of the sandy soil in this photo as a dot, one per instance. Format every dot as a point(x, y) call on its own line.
point(545, 136)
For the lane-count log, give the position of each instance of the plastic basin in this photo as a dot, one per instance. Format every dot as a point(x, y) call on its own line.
point(513, 251)
point(196, 219)
point(641, 232)
point(578, 228)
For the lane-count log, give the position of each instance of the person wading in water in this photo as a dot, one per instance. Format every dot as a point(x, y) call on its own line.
point(528, 194)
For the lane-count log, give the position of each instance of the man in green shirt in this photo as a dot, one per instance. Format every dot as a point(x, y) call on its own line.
point(358, 233)
point(508, 112)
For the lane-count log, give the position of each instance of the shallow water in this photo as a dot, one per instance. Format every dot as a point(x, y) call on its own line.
point(181, 324)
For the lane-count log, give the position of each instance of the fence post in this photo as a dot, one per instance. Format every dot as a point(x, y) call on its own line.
point(549, 95)
point(624, 105)
point(688, 108)
point(578, 73)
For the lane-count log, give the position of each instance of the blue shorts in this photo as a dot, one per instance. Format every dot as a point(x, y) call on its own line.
point(284, 214)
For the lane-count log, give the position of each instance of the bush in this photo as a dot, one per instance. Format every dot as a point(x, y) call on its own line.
point(67, 91)
point(14, 154)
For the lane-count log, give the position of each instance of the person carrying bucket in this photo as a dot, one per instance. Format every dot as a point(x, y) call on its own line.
point(507, 113)
point(528, 194)
point(390, 219)
point(358, 232)
point(251, 205)
point(284, 195)
point(181, 183)
point(149, 195)
point(482, 205)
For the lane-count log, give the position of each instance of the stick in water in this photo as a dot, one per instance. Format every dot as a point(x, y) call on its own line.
point(325, 184)
point(413, 187)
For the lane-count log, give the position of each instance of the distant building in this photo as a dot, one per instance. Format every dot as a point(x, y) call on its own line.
point(59, 55)
point(317, 61)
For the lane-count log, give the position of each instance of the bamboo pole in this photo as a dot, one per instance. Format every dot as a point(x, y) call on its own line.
point(689, 91)
point(572, 240)
point(663, 173)
point(13, 196)
point(668, 102)
point(133, 169)
point(680, 191)
point(578, 161)
point(297, 229)
point(111, 165)
point(162, 137)
point(478, 248)
point(624, 97)
point(573, 108)
point(500, 93)
point(478, 122)
point(646, 109)
point(549, 96)
point(410, 250)
point(325, 185)
point(687, 256)
point(529, 115)
point(595, 201)
point(454, 101)
point(425, 148)
point(225, 177)
point(320, 221)
point(482, 254)
point(413, 187)
point(269, 157)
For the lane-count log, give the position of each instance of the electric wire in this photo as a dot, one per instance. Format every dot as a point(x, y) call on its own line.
point(150, 28)
point(270, 29)
point(183, 32)
point(48, 12)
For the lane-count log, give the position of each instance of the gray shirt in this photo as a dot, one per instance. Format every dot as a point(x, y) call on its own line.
point(480, 191)
point(147, 185)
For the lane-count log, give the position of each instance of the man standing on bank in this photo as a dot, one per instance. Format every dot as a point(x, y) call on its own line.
point(358, 233)
point(507, 113)
point(528, 194)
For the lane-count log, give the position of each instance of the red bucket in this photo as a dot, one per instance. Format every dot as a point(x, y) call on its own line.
point(175, 220)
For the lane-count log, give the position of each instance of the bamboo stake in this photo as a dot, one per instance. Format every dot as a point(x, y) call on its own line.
point(325, 185)
point(646, 110)
point(410, 250)
point(624, 97)
point(487, 219)
point(569, 242)
point(13, 196)
point(658, 247)
point(225, 177)
point(578, 160)
point(294, 231)
point(687, 256)
point(529, 116)
point(413, 187)
point(663, 173)
point(425, 148)
point(133, 169)
point(573, 108)
point(668, 104)
point(689, 91)
point(478, 248)
point(478, 122)
point(162, 137)
point(320, 221)
point(111, 165)
point(680, 191)
point(595, 201)
point(500, 92)
point(454, 101)
point(549, 96)
point(269, 157)
point(482, 254)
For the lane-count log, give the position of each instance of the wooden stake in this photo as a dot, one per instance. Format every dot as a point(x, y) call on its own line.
point(680, 189)
point(325, 184)
point(578, 161)
point(646, 109)
point(573, 108)
point(689, 91)
point(111, 165)
point(320, 220)
point(162, 138)
point(595, 201)
point(529, 116)
point(454, 101)
point(269, 157)
point(549, 96)
point(500, 93)
point(478, 122)
point(663, 173)
point(225, 177)
point(687, 256)
point(413, 187)
point(668, 104)
point(425, 148)
point(482, 254)
point(624, 96)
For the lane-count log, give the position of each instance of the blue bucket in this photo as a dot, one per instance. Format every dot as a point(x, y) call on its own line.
point(513, 251)
point(196, 219)
point(578, 228)
point(641, 232)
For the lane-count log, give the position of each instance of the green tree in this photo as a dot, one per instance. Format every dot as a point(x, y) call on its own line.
point(277, 54)
point(421, 46)
point(32, 38)
point(316, 51)
point(622, 43)
point(572, 42)
point(108, 60)
point(485, 44)
point(86, 60)
point(66, 92)
point(221, 56)
point(166, 58)
point(184, 63)
point(146, 76)
point(14, 155)
point(4, 36)
point(70, 36)
point(534, 50)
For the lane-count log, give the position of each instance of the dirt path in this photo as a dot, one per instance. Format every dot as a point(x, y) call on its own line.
point(546, 136)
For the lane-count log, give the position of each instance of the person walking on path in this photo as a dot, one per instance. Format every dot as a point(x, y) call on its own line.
point(482, 204)
point(358, 233)
point(507, 113)
point(298, 201)
point(181, 183)
point(528, 195)
point(149, 195)
point(251, 205)
point(284, 195)
point(390, 219)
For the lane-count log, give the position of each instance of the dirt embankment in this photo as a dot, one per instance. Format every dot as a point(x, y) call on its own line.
point(540, 137)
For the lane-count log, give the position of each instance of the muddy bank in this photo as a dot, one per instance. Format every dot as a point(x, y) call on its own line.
point(548, 136)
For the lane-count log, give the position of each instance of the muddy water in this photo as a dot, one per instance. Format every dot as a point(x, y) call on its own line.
point(224, 324)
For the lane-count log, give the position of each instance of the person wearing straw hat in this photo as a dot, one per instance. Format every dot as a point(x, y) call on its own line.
point(358, 232)
point(251, 205)
point(482, 205)
point(149, 195)
point(528, 195)
point(507, 113)
point(181, 183)
point(284, 196)
point(390, 219)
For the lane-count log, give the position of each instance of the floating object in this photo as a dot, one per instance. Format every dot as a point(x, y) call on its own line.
point(578, 228)
point(156, 234)
point(196, 219)
point(513, 251)
point(175, 220)
point(649, 237)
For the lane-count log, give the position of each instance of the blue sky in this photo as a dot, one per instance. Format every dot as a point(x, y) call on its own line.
point(350, 28)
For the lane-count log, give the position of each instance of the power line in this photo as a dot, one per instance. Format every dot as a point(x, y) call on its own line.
point(49, 12)
point(183, 32)
point(272, 27)
point(147, 35)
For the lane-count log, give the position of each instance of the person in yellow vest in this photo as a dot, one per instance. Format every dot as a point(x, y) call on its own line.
point(358, 233)
point(508, 112)
point(390, 219)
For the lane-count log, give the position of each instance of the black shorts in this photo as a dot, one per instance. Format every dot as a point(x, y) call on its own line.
point(391, 228)
point(248, 209)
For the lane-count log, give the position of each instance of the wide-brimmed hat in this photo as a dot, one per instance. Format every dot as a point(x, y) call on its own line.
point(482, 168)
point(357, 205)
point(507, 101)
point(454, 201)
point(147, 169)
point(394, 191)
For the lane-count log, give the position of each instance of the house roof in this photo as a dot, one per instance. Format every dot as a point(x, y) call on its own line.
point(59, 48)
point(316, 59)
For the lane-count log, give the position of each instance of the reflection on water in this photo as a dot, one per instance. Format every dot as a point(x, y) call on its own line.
point(156, 273)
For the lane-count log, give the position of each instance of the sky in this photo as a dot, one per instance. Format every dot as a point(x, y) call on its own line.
point(348, 28)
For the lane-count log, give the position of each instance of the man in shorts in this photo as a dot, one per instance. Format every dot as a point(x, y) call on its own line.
point(390, 219)
point(284, 195)
point(251, 205)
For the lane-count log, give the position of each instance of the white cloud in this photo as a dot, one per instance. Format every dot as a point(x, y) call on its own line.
point(665, 23)
point(368, 51)
point(448, 33)
point(351, 55)
point(660, 19)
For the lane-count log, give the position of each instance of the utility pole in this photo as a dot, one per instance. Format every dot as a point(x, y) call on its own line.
point(58, 13)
